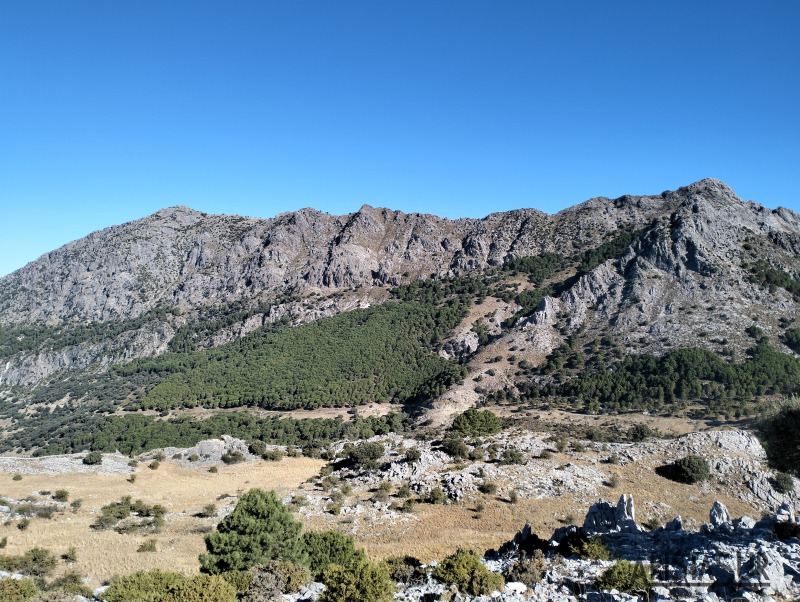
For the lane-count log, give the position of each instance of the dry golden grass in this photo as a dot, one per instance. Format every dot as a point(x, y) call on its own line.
point(183, 491)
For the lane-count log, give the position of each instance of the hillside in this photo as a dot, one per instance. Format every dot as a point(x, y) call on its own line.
point(181, 310)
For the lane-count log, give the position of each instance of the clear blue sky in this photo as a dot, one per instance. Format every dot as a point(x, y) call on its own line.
point(112, 110)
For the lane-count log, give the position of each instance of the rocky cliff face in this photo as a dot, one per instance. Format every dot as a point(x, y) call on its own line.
point(682, 281)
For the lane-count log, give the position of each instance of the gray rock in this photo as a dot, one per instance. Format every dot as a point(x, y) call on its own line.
point(719, 515)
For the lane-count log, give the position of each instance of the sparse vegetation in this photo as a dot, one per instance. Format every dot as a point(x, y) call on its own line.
point(626, 576)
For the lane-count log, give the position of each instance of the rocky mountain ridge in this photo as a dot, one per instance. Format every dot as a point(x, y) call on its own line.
point(691, 259)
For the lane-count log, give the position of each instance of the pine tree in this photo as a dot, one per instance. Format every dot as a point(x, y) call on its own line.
point(259, 529)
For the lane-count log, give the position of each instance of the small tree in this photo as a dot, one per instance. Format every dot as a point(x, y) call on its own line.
point(259, 529)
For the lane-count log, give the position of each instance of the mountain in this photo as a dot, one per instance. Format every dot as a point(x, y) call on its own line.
point(693, 268)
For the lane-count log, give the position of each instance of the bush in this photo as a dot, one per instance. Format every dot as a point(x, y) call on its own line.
point(208, 511)
point(16, 477)
point(71, 555)
point(71, 583)
point(154, 465)
point(455, 447)
point(259, 529)
point(148, 546)
point(202, 588)
point(405, 569)
point(17, 590)
point(488, 488)
point(257, 448)
point(528, 570)
point(232, 457)
point(240, 580)
point(465, 570)
point(330, 547)
point(194, 458)
point(147, 586)
point(94, 457)
point(689, 469)
point(366, 455)
point(784, 482)
point(475, 423)
point(436, 496)
point(627, 577)
point(512, 456)
point(413, 455)
point(639, 432)
point(213, 470)
point(61, 495)
point(361, 582)
point(36, 562)
point(265, 586)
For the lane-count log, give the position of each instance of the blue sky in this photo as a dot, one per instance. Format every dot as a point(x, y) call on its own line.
point(110, 111)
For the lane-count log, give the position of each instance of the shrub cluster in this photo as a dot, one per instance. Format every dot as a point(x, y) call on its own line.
point(465, 570)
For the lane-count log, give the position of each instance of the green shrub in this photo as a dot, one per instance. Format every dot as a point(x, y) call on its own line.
point(639, 432)
point(17, 590)
point(213, 470)
point(71, 555)
point(513, 498)
point(202, 588)
point(465, 570)
point(24, 524)
point(413, 455)
point(154, 465)
point(528, 570)
point(488, 488)
point(92, 458)
point(142, 586)
point(232, 457)
point(627, 577)
point(259, 529)
point(403, 491)
point(37, 562)
point(512, 456)
point(148, 546)
point(689, 469)
point(16, 477)
point(208, 511)
point(366, 455)
point(330, 547)
point(274, 455)
point(591, 549)
point(240, 580)
point(194, 458)
point(455, 447)
point(784, 482)
point(475, 423)
point(61, 495)
point(436, 496)
point(257, 447)
point(361, 582)
point(71, 583)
